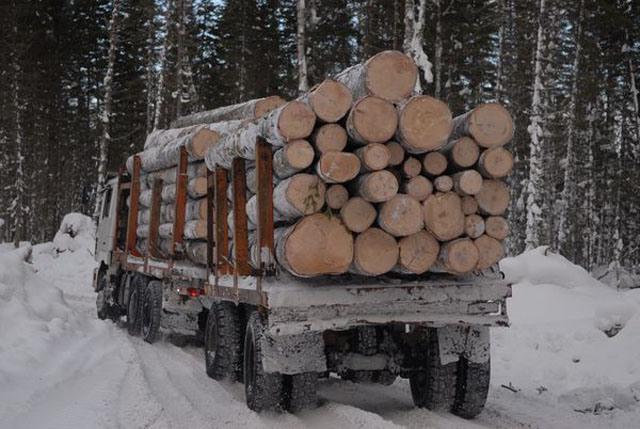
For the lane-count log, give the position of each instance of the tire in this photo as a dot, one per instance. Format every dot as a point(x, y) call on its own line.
point(223, 342)
point(151, 311)
point(133, 309)
point(472, 388)
point(300, 392)
point(263, 390)
point(435, 386)
point(102, 308)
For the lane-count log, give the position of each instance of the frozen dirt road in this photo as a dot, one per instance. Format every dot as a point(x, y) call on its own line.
point(90, 374)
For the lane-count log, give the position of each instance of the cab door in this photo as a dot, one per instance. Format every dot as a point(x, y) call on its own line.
point(106, 222)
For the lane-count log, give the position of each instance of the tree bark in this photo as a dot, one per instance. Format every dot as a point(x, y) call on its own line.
point(443, 215)
point(401, 216)
point(246, 111)
point(375, 252)
point(316, 245)
point(390, 75)
point(292, 158)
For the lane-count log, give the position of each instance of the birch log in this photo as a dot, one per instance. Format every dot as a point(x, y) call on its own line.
point(493, 198)
point(469, 205)
point(497, 227)
point(373, 157)
point(474, 226)
point(434, 164)
point(418, 187)
point(495, 163)
point(375, 252)
point(299, 195)
point(196, 251)
point(411, 167)
point(418, 252)
point(315, 245)
point(376, 187)
point(292, 158)
point(443, 183)
point(458, 256)
point(424, 124)
point(169, 175)
point(467, 182)
point(443, 215)
point(397, 153)
point(338, 167)
point(336, 196)
point(358, 214)
point(462, 153)
point(490, 251)
point(248, 110)
point(329, 138)
point(371, 120)
point(329, 100)
point(401, 216)
point(489, 124)
point(193, 230)
point(390, 75)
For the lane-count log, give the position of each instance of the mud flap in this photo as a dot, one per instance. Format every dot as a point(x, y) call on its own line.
point(472, 342)
point(293, 354)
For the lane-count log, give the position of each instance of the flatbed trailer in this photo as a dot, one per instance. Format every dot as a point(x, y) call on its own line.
point(278, 333)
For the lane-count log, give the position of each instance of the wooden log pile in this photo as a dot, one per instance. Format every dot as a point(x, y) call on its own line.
point(371, 178)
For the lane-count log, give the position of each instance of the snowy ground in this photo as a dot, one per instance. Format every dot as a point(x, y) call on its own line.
point(60, 367)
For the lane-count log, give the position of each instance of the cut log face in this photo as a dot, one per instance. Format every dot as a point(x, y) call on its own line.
point(424, 124)
point(292, 158)
point(443, 215)
point(411, 167)
point(418, 187)
point(434, 164)
point(375, 252)
point(294, 121)
point(330, 100)
point(489, 124)
point(418, 252)
point(377, 187)
point(463, 153)
point(373, 157)
point(495, 163)
point(196, 251)
point(490, 251)
point(315, 245)
point(469, 205)
point(493, 198)
point(372, 120)
point(497, 227)
point(401, 216)
point(474, 226)
point(397, 153)
point(468, 182)
point(336, 196)
point(443, 183)
point(459, 256)
point(358, 214)
point(299, 195)
point(330, 138)
point(389, 74)
point(338, 167)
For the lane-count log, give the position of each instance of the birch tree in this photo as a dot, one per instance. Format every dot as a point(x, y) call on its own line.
point(303, 81)
point(414, 38)
point(105, 114)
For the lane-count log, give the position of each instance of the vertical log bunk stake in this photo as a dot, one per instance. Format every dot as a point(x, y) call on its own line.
point(240, 230)
point(264, 170)
point(222, 230)
point(132, 223)
point(180, 203)
point(210, 223)
point(154, 221)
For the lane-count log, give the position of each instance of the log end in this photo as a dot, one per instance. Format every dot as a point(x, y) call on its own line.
point(300, 154)
point(434, 163)
point(401, 216)
point(425, 124)
point(490, 251)
point(331, 100)
point(372, 120)
point(338, 167)
point(465, 152)
point(330, 138)
point(443, 215)
point(493, 198)
point(391, 75)
point(496, 162)
point(267, 104)
point(296, 121)
point(418, 252)
point(358, 214)
point(491, 125)
point(378, 187)
point(375, 252)
point(397, 153)
point(460, 256)
point(336, 197)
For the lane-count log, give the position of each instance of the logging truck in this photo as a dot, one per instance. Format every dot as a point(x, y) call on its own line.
point(353, 232)
point(277, 333)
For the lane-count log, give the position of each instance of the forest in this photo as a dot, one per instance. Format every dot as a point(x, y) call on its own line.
point(83, 82)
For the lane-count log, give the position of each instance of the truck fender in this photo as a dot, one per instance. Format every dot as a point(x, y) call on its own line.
point(470, 342)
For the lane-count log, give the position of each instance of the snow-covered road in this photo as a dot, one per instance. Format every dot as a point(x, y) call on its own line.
point(73, 370)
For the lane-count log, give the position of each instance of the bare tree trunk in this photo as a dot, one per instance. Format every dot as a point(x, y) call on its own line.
point(438, 50)
point(535, 184)
point(414, 39)
point(105, 115)
point(17, 206)
point(634, 89)
point(303, 81)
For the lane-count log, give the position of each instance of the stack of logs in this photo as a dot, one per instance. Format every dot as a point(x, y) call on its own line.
point(369, 178)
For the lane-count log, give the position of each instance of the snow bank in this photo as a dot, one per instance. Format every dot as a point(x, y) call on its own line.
point(573, 339)
point(32, 314)
point(77, 232)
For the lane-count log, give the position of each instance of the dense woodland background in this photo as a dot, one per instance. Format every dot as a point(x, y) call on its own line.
point(566, 70)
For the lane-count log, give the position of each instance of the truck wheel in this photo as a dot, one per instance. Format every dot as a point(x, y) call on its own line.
point(472, 388)
point(263, 390)
point(102, 306)
point(133, 309)
point(151, 311)
point(300, 391)
point(435, 386)
point(223, 342)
